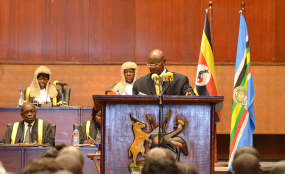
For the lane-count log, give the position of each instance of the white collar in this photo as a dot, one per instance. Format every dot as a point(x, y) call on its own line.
point(164, 71)
point(26, 124)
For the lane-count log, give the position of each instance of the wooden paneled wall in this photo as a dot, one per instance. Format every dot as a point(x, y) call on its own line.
point(84, 42)
point(115, 31)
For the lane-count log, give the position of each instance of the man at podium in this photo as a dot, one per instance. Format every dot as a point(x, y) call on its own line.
point(30, 130)
point(145, 85)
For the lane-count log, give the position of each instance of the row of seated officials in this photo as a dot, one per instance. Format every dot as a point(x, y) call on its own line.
point(42, 91)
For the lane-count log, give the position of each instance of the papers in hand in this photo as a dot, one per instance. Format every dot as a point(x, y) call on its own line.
point(140, 93)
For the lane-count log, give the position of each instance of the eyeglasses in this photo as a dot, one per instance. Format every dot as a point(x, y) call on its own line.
point(154, 64)
point(129, 71)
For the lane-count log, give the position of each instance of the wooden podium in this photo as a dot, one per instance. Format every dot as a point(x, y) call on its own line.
point(117, 135)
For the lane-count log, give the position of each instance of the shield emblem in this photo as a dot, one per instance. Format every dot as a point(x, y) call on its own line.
point(154, 138)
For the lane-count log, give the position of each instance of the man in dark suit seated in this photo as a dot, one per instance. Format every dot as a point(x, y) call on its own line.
point(30, 130)
point(145, 85)
point(90, 128)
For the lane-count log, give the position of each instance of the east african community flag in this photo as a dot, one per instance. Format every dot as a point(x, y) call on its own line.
point(242, 123)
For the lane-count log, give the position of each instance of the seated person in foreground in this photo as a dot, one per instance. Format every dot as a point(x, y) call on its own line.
point(129, 72)
point(27, 131)
point(246, 163)
point(160, 166)
point(90, 128)
point(145, 85)
point(41, 89)
point(162, 153)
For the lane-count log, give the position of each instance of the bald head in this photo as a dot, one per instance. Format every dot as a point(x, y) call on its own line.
point(278, 168)
point(156, 61)
point(246, 149)
point(246, 164)
point(74, 152)
point(27, 104)
point(157, 153)
point(156, 54)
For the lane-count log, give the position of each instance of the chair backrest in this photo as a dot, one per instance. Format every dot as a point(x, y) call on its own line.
point(79, 125)
point(66, 93)
point(53, 128)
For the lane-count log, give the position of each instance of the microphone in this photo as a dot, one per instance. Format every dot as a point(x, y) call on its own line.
point(154, 77)
point(56, 83)
point(163, 77)
point(169, 76)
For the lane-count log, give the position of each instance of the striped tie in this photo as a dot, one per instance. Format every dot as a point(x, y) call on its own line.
point(27, 138)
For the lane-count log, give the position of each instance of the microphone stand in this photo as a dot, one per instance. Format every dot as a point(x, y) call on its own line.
point(160, 99)
point(62, 96)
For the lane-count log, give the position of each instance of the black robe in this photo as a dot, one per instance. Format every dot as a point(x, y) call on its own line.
point(48, 134)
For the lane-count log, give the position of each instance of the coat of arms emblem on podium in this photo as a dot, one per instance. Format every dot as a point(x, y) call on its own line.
point(156, 138)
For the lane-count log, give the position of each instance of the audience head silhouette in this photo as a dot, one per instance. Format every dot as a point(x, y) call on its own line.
point(74, 152)
point(246, 163)
point(246, 149)
point(160, 166)
point(41, 165)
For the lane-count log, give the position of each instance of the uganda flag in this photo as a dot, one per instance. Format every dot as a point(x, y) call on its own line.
point(206, 76)
point(242, 123)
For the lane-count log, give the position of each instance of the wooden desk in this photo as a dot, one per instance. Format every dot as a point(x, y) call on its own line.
point(95, 157)
point(63, 117)
point(14, 159)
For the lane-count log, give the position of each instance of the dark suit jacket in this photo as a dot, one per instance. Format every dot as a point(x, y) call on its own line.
point(179, 86)
point(48, 134)
point(92, 131)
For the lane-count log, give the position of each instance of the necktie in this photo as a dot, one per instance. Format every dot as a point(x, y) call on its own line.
point(28, 134)
point(157, 87)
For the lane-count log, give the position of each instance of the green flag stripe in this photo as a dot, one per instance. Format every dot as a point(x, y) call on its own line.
point(234, 106)
point(243, 80)
point(237, 122)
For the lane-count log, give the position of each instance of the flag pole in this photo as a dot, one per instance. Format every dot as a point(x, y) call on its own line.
point(243, 9)
point(211, 21)
point(210, 17)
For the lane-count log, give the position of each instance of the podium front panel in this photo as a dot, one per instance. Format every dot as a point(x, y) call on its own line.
point(118, 135)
